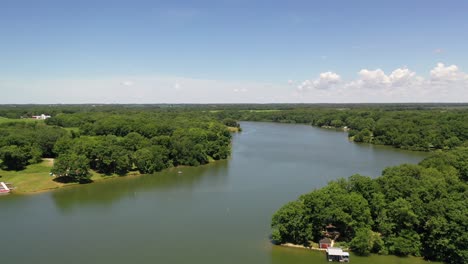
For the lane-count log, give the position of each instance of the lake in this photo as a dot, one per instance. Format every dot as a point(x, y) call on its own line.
point(218, 213)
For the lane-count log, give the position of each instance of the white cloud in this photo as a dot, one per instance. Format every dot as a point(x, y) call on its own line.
point(445, 83)
point(325, 81)
point(373, 78)
point(442, 73)
point(401, 76)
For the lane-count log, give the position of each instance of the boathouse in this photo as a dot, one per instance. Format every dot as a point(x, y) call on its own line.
point(325, 243)
point(337, 254)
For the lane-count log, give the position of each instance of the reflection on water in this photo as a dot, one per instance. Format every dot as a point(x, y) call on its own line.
point(106, 192)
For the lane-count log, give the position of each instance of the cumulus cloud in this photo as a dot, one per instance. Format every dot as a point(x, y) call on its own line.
point(373, 78)
point(378, 79)
point(325, 81)
point(401, 76)
point(446, 83)
point(442, 73)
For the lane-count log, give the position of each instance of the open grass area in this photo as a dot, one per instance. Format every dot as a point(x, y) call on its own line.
point(36, 178)
point(32, 179)
point(10, 120)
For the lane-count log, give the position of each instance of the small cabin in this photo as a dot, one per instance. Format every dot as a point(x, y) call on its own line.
point(337, 254)
point(325, 243)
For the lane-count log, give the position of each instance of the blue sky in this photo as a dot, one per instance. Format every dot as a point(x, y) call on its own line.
point(233, 51)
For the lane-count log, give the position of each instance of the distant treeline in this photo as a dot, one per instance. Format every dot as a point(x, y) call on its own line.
point(419, 210)
point(115, 140)
point(414, 129)
point(28, 110)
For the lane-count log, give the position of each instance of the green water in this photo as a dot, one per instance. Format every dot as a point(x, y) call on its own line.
point(219, 213)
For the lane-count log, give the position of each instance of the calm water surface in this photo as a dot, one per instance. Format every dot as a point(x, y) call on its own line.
point(219, 213)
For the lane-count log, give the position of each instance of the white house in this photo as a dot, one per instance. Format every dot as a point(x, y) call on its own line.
point(41, 117)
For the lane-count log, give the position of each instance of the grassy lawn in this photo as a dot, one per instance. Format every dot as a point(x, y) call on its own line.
point(36, 178)
point(28, 120)
point(32, 179)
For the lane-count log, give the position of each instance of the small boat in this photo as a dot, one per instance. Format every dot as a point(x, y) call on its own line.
point(4, 188)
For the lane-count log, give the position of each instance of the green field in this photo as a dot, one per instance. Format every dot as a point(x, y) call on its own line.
point(36, 178)
point(4, 120)
point(32, 179)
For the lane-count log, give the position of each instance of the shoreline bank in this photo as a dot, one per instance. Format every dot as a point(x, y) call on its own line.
point(42, 178)
point(301, 247)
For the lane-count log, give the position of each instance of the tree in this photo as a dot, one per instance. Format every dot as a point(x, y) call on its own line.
point(408, 242)
point(72, 166)
point(230, 122)
point(365, 242)
point(401, 214)
point(290, 225)
point(134, 141)
point(151, 159)
point(14, 157)
point(46, 137)
point(363, 136)
point(362, 242)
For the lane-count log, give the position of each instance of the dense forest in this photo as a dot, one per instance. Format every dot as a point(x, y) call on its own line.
point(419, 210)
point(112, 140)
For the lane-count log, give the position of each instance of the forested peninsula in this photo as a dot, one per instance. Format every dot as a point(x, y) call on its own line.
point(419, 210)
point(84, 142)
